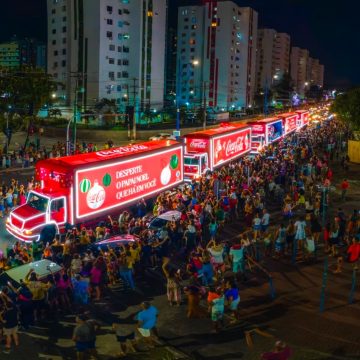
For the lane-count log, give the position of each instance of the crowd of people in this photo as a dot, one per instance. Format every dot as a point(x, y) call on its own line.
point(24, 158)
point(295, 176)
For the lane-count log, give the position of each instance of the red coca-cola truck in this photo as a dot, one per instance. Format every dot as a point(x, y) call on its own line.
point(82, 188)
point(290, 122)
point(265, 132)
point(303, 118)
point(209, 149)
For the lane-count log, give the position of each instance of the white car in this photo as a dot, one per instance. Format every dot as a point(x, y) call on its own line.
point(162, 136)
point(161, 220)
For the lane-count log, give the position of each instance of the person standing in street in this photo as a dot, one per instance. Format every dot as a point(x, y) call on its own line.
point(81, 337)
point(300, 226)
point(147, 319)
point(10, 320)
point(126, 339)
point(265, 220)
point(281, 352)
point(217, 310)
point(344, 188)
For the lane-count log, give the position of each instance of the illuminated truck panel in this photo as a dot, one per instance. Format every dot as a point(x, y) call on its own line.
point(84, 187)
point(209, 149)
point(303, 118)
point(265, 132)
point(103, 188)
point(290, 122)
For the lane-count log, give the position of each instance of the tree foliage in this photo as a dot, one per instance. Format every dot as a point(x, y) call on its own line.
point(284, 88)
point(315, 93)
point(347, 107)
point(105, 108)
point(259, 98)
point(25, 90)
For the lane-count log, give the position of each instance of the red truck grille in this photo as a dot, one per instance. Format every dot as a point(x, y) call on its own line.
point(16, 222)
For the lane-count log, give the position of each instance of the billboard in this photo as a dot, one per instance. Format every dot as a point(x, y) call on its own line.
point(105, 187)
point(230, 146)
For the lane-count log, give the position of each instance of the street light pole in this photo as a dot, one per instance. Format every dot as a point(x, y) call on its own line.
point(7, 133)
point(75, 112)
point(204, 105)
point(68, 136)
point(177, 99)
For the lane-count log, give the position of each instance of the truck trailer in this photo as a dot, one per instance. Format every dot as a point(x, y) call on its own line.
point(81, 188)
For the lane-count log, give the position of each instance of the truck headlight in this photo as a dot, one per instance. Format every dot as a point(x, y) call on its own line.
point(28, 232)
point(8, 220)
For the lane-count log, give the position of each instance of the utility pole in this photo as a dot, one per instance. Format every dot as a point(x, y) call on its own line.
point(75, 112)
point(204, 105)
point(266, 105)
point(178, 77)
point(7, 131)
point(134, 92)
point(79, 89)
point(128, 115)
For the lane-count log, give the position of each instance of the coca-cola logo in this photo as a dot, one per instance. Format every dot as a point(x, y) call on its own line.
point(95, 198)
point(198, 144)
point(234, 147)
point(122, 150)
point(257, 128)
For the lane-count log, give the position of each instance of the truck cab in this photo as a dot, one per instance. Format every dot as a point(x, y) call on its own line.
point(40, 218)
point(257, 142)
point(195, 165)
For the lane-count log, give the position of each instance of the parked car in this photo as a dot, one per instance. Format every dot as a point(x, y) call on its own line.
point(240, 115)
point(162, 136)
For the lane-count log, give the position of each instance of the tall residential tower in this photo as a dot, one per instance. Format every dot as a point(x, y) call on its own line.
point(216, 52)
point(112, 49)
point(273, 57)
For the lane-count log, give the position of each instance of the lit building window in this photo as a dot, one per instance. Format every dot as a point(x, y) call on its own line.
point(149, 13)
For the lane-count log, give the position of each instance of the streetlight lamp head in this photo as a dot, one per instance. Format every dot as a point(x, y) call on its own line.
point(53, 95)
point(306, 83)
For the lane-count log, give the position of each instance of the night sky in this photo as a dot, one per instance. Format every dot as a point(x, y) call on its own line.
point(330, 32)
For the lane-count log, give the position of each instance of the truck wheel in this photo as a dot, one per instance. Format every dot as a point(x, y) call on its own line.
point(48, 234)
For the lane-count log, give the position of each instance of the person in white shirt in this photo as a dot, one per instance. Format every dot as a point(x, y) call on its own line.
point(265, 220)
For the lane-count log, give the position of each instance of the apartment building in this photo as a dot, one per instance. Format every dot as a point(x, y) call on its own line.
point(216, 52)
point(112, 49)
point(299, 65)
point(315, 72)
point(273, 57)
point(18, 52)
